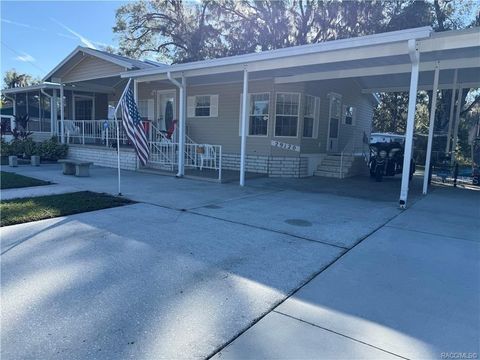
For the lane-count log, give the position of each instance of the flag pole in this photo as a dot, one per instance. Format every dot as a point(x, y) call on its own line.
point(118, 135)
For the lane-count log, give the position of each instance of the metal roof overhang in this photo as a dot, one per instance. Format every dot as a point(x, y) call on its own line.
point(103, 85)
point(378, 62)
point(37, 87)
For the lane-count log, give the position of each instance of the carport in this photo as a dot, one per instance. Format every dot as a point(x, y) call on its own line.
point(407, 60)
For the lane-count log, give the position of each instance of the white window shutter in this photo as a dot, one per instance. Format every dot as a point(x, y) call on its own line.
point(213, 105)
point(191, 106)
point(151, 107)
point(316, 118)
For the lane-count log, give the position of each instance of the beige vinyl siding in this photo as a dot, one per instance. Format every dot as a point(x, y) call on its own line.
point(90, 68)
point(223, 130)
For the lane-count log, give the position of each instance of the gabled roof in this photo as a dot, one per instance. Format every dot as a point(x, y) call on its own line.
point(123, 61)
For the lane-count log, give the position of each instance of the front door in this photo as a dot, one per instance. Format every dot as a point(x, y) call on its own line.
point(166, 109)
point(334, 123)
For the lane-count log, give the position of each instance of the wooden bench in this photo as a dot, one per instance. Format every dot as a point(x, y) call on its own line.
point(76, 167)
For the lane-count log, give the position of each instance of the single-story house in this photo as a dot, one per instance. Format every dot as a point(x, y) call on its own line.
point(292, 112)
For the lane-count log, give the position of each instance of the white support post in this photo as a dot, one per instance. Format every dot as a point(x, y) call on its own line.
point(62, 116)
point(431, 128)
point(243, 146)
point(457, 123)
point(40, 117)
point(452, 106)
point(53, 113)
point(412, 101)
point(181, 127)
point(135, 90)
point(14, 100)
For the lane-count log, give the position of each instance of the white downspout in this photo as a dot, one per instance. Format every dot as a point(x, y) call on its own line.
point(181, 123)
point(243, 144)
point(50, 97)
point(62, 116)
point(433, 109)
point(412, 100)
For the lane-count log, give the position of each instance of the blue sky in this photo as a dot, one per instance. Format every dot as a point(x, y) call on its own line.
point(37, 35)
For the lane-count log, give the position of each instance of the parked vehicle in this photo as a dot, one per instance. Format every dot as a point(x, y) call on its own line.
point(386, 159)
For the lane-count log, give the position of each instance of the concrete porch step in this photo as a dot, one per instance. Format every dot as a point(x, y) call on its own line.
point(330, 174)
point(337, 162)
point(331, 168)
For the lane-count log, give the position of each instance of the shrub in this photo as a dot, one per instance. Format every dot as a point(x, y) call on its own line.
point(17, 147)
point(4, 148)
point(30, 147)
point(52, 150)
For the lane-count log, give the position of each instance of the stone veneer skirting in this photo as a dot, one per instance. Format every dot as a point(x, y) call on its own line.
point(103, 156)
point(274, 166)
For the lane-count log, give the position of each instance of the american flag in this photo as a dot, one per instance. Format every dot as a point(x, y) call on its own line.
point(133, 126)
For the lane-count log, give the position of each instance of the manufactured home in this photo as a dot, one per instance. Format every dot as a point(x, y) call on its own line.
point(293, 112)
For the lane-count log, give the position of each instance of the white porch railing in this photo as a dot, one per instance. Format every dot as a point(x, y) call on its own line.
point(163, 151)
point(93, 132)
point(201, 156)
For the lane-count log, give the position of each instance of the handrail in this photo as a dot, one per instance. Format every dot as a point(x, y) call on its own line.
point(348, 149)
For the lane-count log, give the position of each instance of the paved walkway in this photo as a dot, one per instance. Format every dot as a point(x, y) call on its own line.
point(193, 265)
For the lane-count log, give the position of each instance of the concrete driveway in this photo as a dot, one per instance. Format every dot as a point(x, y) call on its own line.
point(194, 265)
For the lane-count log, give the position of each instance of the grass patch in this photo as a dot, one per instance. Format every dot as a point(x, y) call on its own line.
point(10, 180)
point(17, 211)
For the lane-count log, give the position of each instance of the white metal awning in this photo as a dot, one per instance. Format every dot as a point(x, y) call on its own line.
point(378, 62)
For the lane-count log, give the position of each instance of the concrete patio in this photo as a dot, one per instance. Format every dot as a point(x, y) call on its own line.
point(308, 268)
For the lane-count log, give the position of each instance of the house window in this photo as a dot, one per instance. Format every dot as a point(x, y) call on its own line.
point(202, 105)
point(349, 115)
point(310, 116)
point(286, 114)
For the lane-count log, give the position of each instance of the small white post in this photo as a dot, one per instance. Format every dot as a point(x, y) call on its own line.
point(118, 134)
point(457, 123)
point(62, 116)
point(181, 127)
point(40, 117)
point(220, 164)
point(433, 109)
point(243, 145)
point(412, 101)
point(83, 132)
point(53, 113)
point(452, 106)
